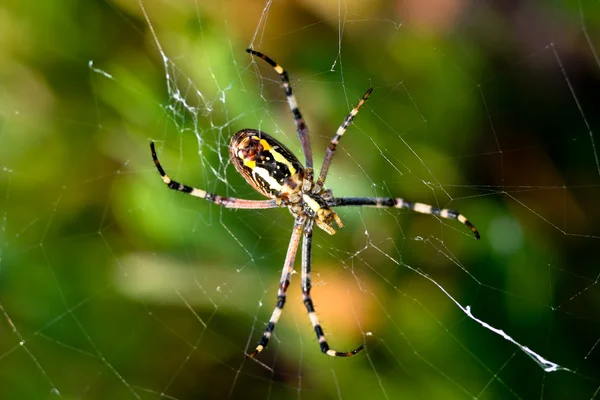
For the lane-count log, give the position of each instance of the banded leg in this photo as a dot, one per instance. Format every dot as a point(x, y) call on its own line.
point(336, 138)
point(286, 274)
point(306, 286)
point(222, 201)
point(381, 202)
point(291, 99)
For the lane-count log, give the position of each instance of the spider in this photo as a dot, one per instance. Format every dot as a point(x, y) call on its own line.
point(275, 172)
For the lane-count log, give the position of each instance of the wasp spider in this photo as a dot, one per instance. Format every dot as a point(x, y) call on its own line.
point(274, 171)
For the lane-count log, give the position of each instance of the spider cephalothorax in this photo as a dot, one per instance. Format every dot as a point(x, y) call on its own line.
point(275, 172)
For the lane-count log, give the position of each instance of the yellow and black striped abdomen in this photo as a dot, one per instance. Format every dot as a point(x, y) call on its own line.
point(266, 164)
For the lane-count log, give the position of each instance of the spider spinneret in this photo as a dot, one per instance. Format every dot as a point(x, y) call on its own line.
point(275, 172)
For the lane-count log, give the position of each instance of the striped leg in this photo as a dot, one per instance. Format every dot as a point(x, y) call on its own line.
point(336, 138)
point(382, 202)
point(291, 99)
point(222, 201)
point(306, 286)
point(286, 274)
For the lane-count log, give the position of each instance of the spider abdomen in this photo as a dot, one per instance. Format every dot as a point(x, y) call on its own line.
point(266, 164)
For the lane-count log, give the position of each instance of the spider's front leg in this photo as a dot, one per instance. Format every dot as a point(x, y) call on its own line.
point(284, 283)
point(384, 202)
point(307, 299)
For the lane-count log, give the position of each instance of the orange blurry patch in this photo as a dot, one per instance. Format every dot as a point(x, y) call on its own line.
point(435, 16)
point(345, 310)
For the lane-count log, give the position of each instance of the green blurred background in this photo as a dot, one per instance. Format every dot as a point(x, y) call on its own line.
point(112, 286)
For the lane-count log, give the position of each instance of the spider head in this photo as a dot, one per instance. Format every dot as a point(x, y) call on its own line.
point(316, 207)
point(326, 217)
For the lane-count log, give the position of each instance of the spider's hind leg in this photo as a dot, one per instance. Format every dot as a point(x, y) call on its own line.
point(228, 202)
point(301, 127)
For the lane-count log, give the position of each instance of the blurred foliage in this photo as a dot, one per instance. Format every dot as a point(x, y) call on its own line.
point(112, 286)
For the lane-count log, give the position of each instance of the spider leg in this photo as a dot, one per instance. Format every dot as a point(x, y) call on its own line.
point(291, 99)
point(228, 202)
point(286, 275)
point(306, 286)
point(381, 202)
point(336, 138)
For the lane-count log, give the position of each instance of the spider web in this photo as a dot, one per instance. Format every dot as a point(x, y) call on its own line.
point(112, 286)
